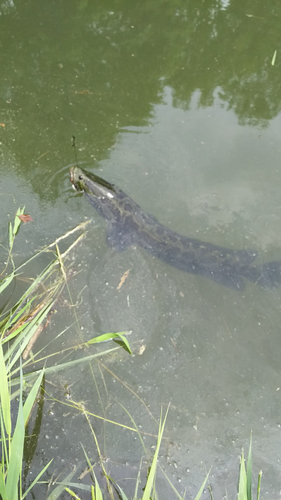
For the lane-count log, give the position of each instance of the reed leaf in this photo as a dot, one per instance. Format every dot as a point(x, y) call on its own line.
point(29, 402)
point(97, 492)
point(199, 494)
point(54, 495)
point(249, 471)
point(35, 481)
point(242, 488)
point(152, 472)
point(121, 493)
point(6, 282)
point(16, 453)
point(3, 494)
point(5, 395)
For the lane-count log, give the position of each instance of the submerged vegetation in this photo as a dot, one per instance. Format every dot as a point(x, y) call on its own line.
point(23, 374)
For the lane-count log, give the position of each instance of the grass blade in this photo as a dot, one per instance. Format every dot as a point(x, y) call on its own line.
point(60, 488)
point(242, 491)
point(28, 405)
point(3, 494)
point(22, 341)
point(17, 221)
point(107, 336)
point(10, 235)
point(16, 456)
point(111, 336)
point(199, 494)
point(98, 493)
point(72, 494)
point(121, 493)
point(274, 58)
point(152, 472)
point(138, 480)
point(249, 472)
point(5, 394)
point(36, 479)
point(6, 281)
point(259, 485)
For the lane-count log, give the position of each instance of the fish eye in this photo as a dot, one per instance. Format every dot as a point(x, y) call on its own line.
point(80, 177)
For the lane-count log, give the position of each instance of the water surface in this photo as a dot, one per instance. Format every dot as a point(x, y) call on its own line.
point(178, 104)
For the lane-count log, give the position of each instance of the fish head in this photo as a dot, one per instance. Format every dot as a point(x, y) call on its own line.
point(100, 193)
point(90, 183)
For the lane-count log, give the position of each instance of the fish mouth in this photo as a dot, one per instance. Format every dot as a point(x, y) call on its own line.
point(71, 172)
point(72, 179)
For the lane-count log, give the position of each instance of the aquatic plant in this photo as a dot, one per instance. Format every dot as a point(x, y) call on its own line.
point(20, 326)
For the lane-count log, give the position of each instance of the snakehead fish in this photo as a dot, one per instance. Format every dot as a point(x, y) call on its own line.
point(128, 225)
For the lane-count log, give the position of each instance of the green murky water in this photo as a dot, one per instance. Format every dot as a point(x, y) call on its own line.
point(177, 103)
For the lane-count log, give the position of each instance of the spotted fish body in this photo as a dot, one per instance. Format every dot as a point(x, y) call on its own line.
point(129, 225)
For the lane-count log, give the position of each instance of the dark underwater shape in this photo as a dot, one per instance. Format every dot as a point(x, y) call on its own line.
point(129, 225)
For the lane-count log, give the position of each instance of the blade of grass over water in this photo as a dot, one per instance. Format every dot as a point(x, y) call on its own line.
point(274, 58)
point(138, 480)
point(29, 402)
point(199, 494)
point(36, 480)
point(11, 468)
point(242, 489)
point(249, 471)
point(57, 491)
point(152, 472)
point(16, 452)
point(109, 488)
point(245, 477)
point(47, 248)
point(105, 337)
point(81, 408)
point(17, 348)
point(111, 336)
point(5, 395)
point(121, 493)
point(72, 494)
point(173, 487)
point(136, 428)
point(17, 327)
point(6, 281)
point(66, 482)
point(13, 230)
point(259, 485)
point(22, 322)
point(97, 491)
